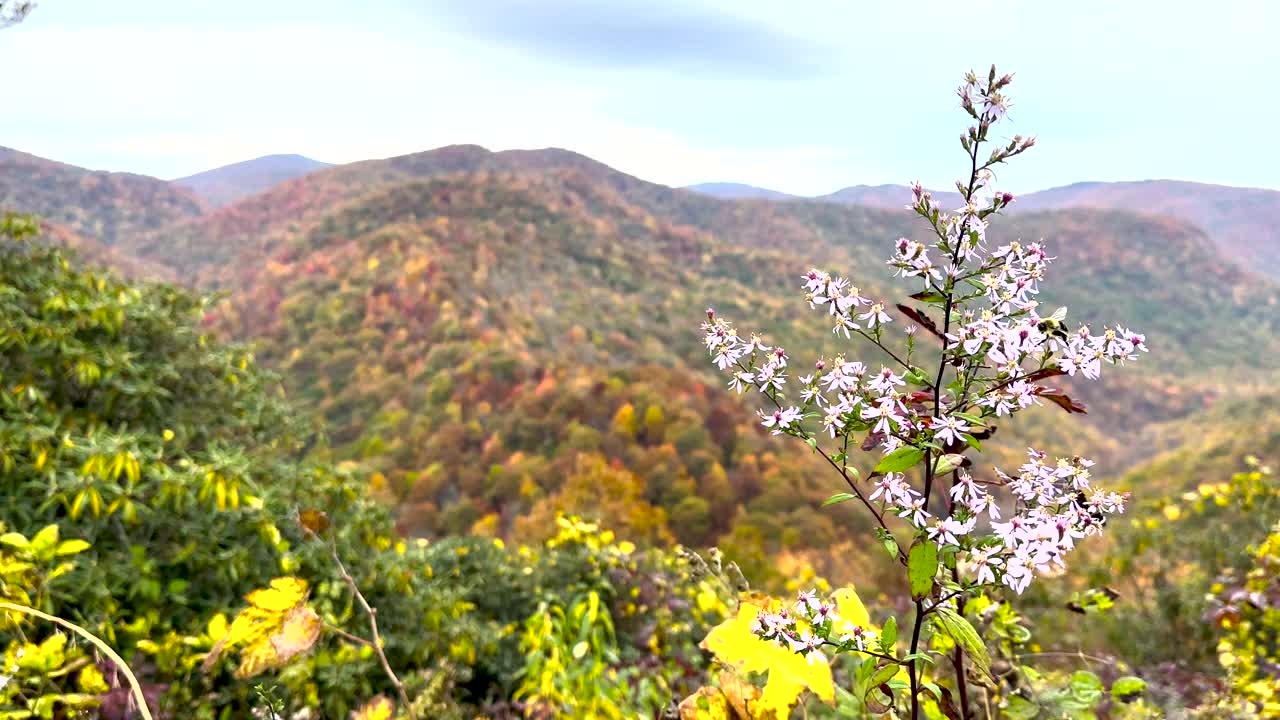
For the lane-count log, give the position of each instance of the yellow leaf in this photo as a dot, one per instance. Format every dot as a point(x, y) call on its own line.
point(298, 633)
point(256, 658)
point(717, 705)
point(317, 521)
point(284, 594)
point(707, 599)
point(850, 608)
point(91, 680)
point(269, 608)
point(217, 628)
point(741, 694)
point(251, 624)
point(372, 264)
point(379, 708)
point(790, 674)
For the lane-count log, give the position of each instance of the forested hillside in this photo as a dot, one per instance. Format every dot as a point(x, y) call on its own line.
point(479, 342)
point(105, 206)
point(470, 325)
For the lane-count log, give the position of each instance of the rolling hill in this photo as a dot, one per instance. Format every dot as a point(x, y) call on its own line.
point(473, 327)
point(1243, 222)
point(104, 206)
point(469, 324)
point(225, 185)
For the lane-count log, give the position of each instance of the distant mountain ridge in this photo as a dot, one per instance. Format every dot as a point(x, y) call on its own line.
point(225, 185)
point(738, 191)
point(1243, 222)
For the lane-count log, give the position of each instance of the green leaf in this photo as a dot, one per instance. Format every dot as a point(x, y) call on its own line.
point(947, 463)
point(1086, 687)
point(889, 635)
point(1020, 708)
point(838, 498)
point(890, 545)
point(931, 297)
point(922, 566)
point(1127, 688)
point(923, 657)
point(884, 674)
point(959, 629)
point(902, 459)
point(915, 376)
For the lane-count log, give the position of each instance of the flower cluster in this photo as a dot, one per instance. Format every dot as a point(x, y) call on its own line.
point(994, 350)
point(811, 624)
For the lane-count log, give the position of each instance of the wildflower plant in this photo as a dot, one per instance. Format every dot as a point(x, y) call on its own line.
point(989, 346)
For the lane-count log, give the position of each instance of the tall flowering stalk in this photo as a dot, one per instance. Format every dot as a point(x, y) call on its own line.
point(995, 347)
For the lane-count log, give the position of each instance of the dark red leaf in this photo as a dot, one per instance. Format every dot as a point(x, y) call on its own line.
point(948, 705)
point(919, 318)
point(1044, 374)
point(875, 704)
point(984, 433)
point(920, 396)
point(1060, 399)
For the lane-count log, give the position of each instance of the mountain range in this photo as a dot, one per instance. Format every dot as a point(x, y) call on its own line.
point(470, 324)
point(1244, 222)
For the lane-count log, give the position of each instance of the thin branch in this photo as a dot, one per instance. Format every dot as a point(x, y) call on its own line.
point(119, 662)
point(962, 683)
point(912, 674)
point(1084, 657)
point(346, 635)
point(857, 492)
point(372, 613)
point(885, 348)
point(872, 653)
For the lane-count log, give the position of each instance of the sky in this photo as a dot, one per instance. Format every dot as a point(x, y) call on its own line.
point(805, 96)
